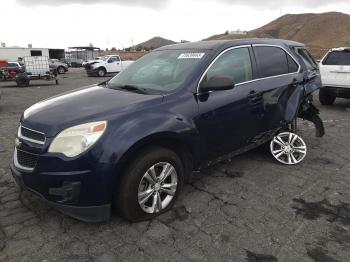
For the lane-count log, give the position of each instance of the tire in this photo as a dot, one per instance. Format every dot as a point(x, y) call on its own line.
point(101, 72)
point(133, 184)
point(61, 70)
point(325, 98)
point(22, 81)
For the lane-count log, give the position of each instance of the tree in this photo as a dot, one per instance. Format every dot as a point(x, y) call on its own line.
point(113, 49)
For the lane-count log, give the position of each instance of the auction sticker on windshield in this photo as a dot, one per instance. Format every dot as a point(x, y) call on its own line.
point(191, 56)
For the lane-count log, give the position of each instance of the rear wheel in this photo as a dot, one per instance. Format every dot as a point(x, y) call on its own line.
point(326, 98)
point(150, 185)
point(288, 148)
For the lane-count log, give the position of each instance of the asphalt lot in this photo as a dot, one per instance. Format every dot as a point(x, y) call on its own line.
point(248, 209)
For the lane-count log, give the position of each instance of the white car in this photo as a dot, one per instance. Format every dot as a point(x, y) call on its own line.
point(107, 64)
point(335, 73)
point(85, 63)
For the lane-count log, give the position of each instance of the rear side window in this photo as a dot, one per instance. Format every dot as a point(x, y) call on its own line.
point(337, 58)
point(307, 58)
point(273, 61)
point(235, 63)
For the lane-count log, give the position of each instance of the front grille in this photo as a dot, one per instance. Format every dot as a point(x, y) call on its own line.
point(26, 160)
point(33, 135)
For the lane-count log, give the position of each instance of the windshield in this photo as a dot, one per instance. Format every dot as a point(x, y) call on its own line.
point(103, 58)
point(162, 71)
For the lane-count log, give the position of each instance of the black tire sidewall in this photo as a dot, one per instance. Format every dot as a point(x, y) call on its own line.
point(103, 70)
point(126, 200)
point(325, 98)
point(22, 81)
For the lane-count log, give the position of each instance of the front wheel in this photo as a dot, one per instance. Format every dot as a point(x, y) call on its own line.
point(101, 72)
point(150, 185)
point(325, 98)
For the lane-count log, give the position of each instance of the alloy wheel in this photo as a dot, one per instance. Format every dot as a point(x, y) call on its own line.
point(288, 148)
point(157, 187)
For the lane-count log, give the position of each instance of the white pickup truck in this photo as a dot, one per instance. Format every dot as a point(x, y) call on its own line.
point(107, 64)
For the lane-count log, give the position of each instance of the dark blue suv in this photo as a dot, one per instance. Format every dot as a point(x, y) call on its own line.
point(133, 141)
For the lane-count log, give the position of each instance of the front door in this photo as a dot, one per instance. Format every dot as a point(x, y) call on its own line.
point(228, 119)
point(113, 64)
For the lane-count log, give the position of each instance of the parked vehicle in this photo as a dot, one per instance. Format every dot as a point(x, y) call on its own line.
point(85, 63)
point(35, 67)
point(335, 72)
point(107, 64)
point(9, 70)
point(59, 66)
point(133, 140)
point(16, 66)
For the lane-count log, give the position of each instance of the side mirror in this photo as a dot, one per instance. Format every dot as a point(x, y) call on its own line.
point(217, 83)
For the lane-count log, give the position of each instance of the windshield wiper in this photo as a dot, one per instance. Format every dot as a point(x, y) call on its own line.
point(130, 88)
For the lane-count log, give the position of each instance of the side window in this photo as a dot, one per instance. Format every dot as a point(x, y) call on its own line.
point(337, 58)
point(292, 65)
point(235, 63)
point(113, 59)
point(307, 58)
point(272, 61)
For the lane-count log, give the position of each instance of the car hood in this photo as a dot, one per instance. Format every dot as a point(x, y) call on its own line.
point(84, 105)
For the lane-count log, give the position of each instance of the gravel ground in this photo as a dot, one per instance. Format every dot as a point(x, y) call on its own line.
point(248, 209)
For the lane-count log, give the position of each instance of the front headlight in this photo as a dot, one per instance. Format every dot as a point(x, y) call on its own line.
point(77, 139)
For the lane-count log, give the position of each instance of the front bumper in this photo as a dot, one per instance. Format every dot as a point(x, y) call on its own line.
point(342, 92)
point(91, 71)
point(67, 192)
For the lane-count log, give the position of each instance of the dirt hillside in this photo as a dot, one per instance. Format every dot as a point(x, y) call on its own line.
point(319, 32)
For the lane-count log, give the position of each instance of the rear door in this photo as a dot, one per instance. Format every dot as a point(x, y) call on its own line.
point(335, 68)
point(280, 85)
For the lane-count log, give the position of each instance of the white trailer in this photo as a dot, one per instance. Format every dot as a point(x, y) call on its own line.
point(13, 53)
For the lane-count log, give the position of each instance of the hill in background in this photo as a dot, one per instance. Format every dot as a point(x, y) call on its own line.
point(154, 43)
point(319, 32)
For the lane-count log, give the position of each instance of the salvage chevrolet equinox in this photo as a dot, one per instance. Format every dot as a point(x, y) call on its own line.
point(131, 142)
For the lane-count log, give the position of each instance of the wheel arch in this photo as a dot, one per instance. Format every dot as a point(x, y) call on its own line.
point(169, 140)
